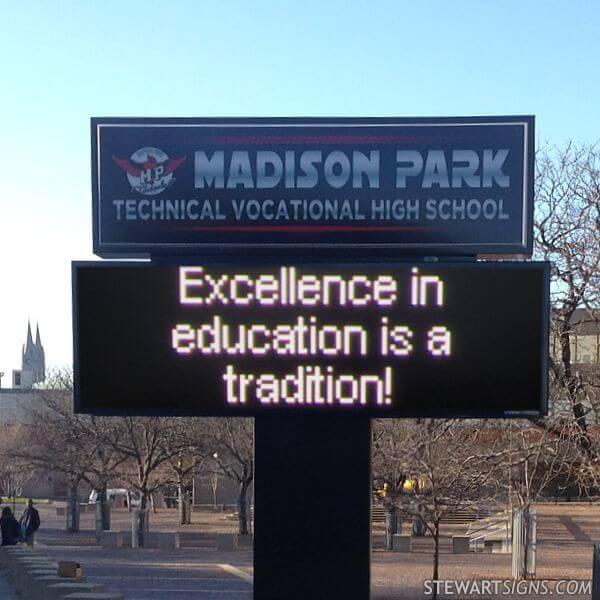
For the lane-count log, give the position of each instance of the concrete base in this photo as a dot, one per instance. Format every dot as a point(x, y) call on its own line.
point(461, 544)
point(114, 539)
point(227, 541)
point(69, 568)
point(160, 539)
point(246, 541)
point(496, 546)
point(401, 543)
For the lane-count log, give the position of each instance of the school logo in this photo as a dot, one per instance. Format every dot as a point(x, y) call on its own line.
point(149, 170)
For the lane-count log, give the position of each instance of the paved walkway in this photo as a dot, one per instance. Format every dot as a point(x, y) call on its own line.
point(565, 535)
point(152, 574)
point(6, 590)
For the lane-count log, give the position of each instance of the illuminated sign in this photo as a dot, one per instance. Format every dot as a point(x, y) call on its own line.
point(413, 339)
point(428, 186)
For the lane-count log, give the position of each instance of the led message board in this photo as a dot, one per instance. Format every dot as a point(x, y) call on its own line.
point(417, 339)
point(427, 186)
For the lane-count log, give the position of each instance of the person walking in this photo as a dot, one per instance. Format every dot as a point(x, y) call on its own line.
point(30, 521)
point(9, 528)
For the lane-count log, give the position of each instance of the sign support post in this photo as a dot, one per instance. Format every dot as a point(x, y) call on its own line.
point(312, 512)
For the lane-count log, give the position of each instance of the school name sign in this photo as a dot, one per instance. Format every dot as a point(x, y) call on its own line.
point(433, 186)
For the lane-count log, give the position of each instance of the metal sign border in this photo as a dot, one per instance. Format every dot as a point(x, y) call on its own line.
point(146, 249)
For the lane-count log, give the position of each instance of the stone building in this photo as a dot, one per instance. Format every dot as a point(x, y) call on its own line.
point(33, 362)
point(585, 344)
point(584, 341)
point(17, 401)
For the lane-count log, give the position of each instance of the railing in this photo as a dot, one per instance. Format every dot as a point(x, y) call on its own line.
point(464, 514)
point(492, 527)
point(474, 542)
point(492, 521)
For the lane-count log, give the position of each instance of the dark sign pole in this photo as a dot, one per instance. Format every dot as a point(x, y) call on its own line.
point(312, 512)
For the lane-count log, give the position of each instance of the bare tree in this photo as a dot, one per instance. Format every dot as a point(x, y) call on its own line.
point(448, 463)
point(14, 472)
point(188, 463)
point(389, 475)
point(145, 444)
point(233, 440)
point(61, 441)
point(567, 233)
point(535, 458)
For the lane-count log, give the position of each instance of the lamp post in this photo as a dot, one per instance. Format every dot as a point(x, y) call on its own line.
point(215, 482)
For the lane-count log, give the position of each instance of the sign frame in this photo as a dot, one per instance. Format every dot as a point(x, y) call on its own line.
point(137, 249)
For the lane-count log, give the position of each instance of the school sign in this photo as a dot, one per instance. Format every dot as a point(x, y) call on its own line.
point(429, 186)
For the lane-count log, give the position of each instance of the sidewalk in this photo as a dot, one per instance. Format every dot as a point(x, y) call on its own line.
point(6, 590)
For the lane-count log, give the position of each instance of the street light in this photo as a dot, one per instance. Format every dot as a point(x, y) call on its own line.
point(215, 482)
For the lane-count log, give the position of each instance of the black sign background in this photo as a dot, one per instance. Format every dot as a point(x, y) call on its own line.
point(497, 314)
point(116, 140)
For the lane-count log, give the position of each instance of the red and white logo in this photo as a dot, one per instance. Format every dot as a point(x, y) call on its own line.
point(149, 170)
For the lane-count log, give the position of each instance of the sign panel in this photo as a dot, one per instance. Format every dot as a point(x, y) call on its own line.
point(443, 186)
point(387, 340)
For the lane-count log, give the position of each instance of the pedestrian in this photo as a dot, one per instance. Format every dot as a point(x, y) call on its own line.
point(9, 528)
point(30, 521)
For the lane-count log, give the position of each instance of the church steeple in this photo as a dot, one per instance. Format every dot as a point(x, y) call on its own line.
point(29, 344)
point(33, 361)
point(41, 357)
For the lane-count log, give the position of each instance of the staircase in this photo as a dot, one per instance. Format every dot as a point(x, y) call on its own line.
point(461, 516)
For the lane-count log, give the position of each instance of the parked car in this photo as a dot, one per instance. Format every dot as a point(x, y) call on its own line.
point(112, 494)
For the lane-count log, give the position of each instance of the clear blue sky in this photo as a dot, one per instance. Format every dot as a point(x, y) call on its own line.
point(63, 62)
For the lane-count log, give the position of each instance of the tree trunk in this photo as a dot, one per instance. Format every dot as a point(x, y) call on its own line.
point(185, 516)
point(436, 557)
point(73, 509)
point(529, 542)
point(140, 527)
point(214, 484)
point(525, 541)
point(391, 525)
point(243, 509)
point(104, 507)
